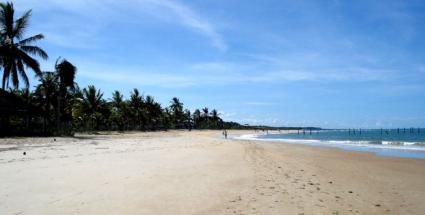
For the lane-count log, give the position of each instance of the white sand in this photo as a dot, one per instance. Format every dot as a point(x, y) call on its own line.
point(200, 173)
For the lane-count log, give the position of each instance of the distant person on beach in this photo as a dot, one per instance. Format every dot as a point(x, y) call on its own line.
point(225, 134)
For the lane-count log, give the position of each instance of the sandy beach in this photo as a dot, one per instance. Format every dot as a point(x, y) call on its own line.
point(199, 172)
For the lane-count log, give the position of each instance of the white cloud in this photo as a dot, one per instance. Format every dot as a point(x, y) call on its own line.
point(219, 74)
point(135, 77)
point(78, 23)
point(187, 17)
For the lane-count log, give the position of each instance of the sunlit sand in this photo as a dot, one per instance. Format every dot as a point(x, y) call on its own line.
point(199, 172)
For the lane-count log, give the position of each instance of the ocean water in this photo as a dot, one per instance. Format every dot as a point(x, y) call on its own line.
point(408, 143)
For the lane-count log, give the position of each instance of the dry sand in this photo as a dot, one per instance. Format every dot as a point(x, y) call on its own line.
point(181, 172)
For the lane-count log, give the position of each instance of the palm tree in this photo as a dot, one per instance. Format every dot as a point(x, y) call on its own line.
point(205, 118)
point(117, 100)
point(214, 114)
point(150, 111)
point(16, 55)
point(176, 108)
point(65, 76)
point(117, 103)
point(46, 94)
point(188, 119)
point(215, 118)
point(166, 115)
point(205, 112)
point(91, 102)
point(65, 72)
point(156, 114)
point(196, 117)
point(136, 104)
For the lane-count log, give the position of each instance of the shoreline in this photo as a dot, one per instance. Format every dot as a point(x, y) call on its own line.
point(384, 150)
point(199, 172)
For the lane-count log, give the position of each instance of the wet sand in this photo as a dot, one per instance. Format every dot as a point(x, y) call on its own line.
point(198, 172)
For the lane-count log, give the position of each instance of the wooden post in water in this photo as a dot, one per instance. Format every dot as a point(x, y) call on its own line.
point(404, 130)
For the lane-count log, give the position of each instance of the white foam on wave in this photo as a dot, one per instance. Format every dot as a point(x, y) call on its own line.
point(247, 137)
point(416, 146)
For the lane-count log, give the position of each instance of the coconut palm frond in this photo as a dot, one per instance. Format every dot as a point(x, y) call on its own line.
point(34, 50)
point(21, 70)
point(6, 18)
point(30, 62)
point(31, 39)
point(21, 24)
point(16, 56)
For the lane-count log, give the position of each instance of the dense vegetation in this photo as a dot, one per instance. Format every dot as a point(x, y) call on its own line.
point(57, 105)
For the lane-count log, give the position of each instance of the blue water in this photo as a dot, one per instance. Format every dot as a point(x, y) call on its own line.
point(409, 143)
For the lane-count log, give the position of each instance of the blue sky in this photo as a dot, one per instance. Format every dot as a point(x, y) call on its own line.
point(327, 63)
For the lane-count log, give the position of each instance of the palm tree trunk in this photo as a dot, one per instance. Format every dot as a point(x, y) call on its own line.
point(44, 124)
point(58, 111)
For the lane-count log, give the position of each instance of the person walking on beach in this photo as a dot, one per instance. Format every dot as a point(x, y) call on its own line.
point(225, 134)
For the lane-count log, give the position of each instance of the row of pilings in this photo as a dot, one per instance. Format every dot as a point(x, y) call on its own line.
point(359, 131)
point(386, 131)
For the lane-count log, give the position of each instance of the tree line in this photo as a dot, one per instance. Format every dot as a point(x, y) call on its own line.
point(57, 105)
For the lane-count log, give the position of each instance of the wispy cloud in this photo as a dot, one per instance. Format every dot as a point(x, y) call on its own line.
point(186, 16)
point(70, 24)
point(270, 70)
point(74, 24)
point(136, 77)
point(221, 74)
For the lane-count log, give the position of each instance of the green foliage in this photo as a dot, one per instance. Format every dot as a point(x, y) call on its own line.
point(57, 106)
point(207, 119)
point(177, 113)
